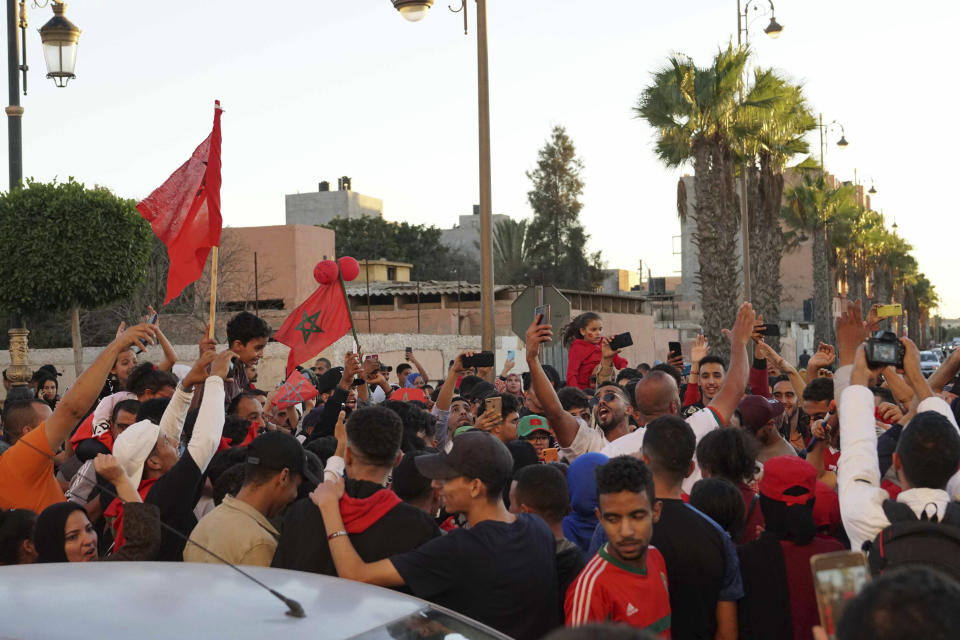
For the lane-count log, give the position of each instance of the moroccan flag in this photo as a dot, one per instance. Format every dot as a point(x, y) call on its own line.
point(321, 320)
point(295, 389)
point(184, 212)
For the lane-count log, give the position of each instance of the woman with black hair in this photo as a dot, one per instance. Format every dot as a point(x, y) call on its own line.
point(16, 536)
point(728, 453)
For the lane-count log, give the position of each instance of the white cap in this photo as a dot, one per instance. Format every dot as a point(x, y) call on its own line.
point(133, 447)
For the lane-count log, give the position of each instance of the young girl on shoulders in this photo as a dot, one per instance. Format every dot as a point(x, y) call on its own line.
point(583, 337)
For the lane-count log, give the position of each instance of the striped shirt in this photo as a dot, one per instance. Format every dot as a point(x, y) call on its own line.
point(608, 590)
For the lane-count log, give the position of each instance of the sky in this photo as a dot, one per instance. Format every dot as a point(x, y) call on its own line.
point(314, 90)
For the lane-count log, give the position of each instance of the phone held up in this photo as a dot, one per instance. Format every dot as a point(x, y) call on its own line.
point(621, 340)
point(837, 578)
point(142, 347)
point(676, 350)
point(482, 359)
point(493, 405)
point(542, 313)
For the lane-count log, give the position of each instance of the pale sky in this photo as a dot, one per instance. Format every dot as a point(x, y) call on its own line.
point(316, 90)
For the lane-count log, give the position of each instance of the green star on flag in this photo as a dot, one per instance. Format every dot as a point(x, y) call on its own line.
point(308, 326)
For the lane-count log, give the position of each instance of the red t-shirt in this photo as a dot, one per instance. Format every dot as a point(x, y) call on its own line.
point(610, 591)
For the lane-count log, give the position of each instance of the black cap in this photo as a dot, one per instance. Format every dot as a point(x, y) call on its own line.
point(329, 380)
point(475, 454)
point(278, 451)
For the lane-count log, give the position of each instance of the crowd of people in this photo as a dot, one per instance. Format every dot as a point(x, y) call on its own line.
point(682, 499)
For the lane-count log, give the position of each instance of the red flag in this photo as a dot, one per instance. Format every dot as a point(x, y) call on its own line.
point(321, 320)
point(295, 389)
point(184, 212)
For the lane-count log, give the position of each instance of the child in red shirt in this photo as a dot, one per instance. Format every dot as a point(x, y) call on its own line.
point(583, 337)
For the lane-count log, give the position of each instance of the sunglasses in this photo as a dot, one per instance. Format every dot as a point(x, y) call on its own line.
point(609, 397)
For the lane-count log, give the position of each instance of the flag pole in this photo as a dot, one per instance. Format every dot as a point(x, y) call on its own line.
point(346, 299)
point(214, 259)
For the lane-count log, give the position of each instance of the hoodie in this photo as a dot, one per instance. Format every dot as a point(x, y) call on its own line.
point(579, 524)
point(582, 359)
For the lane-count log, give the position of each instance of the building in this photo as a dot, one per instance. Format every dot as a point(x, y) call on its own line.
point(464, 238)
point(384, 271)
point(620, 280)
point(323, 205)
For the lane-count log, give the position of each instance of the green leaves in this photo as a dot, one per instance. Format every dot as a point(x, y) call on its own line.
point(63, 244)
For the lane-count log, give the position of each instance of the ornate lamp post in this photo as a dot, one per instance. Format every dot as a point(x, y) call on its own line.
point(59, 37)
point(415, 10)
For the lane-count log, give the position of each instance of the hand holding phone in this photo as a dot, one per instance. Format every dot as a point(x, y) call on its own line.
point(621, 340)
point(837, 578)
point(543, 311)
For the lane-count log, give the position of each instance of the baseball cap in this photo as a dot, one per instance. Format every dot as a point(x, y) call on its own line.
point(133, 446)
point(783, 473)
point(277, 451)
point(408, 394)
point(529, 424)
point(475, 454)
point(756, 411)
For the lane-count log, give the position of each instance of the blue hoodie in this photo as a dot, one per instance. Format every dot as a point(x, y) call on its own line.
point(579, 524)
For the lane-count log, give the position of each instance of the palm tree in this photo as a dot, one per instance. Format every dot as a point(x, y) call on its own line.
point(510, 251)
point(694, 111)
point(774, 119)
point(812, 207)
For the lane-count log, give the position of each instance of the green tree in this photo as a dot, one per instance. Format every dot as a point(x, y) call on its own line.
point(555, 239)
point(694, 111)
point(375, 238)
point(813, 206)
point(66, 247)
point(774, 118)
point(511, 251)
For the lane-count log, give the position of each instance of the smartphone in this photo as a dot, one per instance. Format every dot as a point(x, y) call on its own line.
point(771, 329)
point(675, 350)
point(551, 454)
point(543, 312)
point(482, 359)
point(621, 340)
point(889, 310)
point(409, 350)
point(837, 578)
point(372, 356)
point(511, 354)
point(493, 405)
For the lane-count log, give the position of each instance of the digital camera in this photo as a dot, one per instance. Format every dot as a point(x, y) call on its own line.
point(883, 349)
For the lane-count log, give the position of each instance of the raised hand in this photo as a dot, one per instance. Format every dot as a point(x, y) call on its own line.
point(742, 326)
point(699, 348)
point(140, 333)
point(536, 335)
point(198, 373)
point(850, 332)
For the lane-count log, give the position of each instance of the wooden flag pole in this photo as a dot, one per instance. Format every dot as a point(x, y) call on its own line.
point(214, 260)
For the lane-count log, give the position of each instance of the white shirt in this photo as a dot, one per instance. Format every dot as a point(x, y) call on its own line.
point(702, 422)
point(587, 440)
point(858, 473)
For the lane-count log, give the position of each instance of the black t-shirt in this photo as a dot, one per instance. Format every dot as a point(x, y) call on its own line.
point(176, 494)
point(303, 538)
point(693, 551)
point(501, 574)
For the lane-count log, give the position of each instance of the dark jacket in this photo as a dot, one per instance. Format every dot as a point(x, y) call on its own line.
point(303, 538)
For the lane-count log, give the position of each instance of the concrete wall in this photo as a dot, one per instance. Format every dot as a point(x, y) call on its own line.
point(320, 207)
point(465, 237)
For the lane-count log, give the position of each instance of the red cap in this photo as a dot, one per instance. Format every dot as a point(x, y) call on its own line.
point(756, 411)
point(785, 472)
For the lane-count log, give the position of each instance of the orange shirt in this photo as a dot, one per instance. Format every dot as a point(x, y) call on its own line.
point(26, 475)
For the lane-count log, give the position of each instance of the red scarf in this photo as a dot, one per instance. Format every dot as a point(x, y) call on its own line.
point(114, 513)
point(360, 513)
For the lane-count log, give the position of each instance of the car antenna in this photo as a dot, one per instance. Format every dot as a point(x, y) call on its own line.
point(294, 608)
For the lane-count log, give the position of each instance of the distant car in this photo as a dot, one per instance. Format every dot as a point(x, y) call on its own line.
point(929, 362)
point(190, 600)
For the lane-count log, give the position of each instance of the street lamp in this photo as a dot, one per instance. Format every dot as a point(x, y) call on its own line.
point(743, 35)
point(59, 37)
point(415, 10)
point(824, 131)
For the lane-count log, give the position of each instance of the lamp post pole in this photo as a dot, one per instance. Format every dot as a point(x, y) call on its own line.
point(14, 110)
point(487, 300)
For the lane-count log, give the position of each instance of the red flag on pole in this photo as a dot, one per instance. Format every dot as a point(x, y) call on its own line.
point(321, 320)
point(184, 212)
point(295, 389)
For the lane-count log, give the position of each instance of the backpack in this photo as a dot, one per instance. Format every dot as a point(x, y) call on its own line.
point(912, 540)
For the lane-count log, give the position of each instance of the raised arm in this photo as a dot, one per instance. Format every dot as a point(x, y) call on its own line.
point(209, 426)
point(564, 425)
point(420, 369)
point(450, 383)
point(768, 353)
point(171, 423)
point(824, 357)
point(727, 399)
point(77, 402)
point(945, 372)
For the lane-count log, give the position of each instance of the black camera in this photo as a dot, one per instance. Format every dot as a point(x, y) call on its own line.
point(883, 349)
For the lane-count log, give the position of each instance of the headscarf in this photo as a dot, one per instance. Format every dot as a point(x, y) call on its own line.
point(579, 524)
point(49, 536)
point(409, 381)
